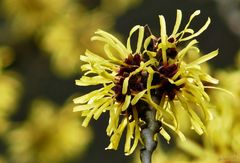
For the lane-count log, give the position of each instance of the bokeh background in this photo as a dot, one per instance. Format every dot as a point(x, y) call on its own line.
point(40, 45)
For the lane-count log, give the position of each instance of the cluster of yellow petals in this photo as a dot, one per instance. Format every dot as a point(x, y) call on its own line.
point(191, 98)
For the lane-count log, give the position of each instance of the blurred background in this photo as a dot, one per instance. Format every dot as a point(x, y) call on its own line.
point(40, 45)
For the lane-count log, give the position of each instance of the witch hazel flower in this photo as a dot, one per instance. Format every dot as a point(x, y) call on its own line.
point(178, 81)
point(152, 77)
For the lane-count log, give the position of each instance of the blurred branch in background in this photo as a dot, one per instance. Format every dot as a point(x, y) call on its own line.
point(230, 12)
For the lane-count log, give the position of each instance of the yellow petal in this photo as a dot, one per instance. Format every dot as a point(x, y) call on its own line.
point(177, 82)
point(134, 29)
point(147, 41)
point(115, 138)
point(164, 37)
point(85, 98)
point(221, 89)
point(126, 102)
point(196, 122)
point(198, 32)
point(137, 97)
point(204, 58)
point(137, 132)
point(209, 79)
point(140, 39)
point(165, 135)
point(108, 35)
point(114, 111)
point(125, 85)
point(110, 55)
point(136, 139)
point(101, 109)
point(182, 53)
point(197, 12)
point(163, 31)
point(129, 136)
point(88, 117)
point(177, 23)
point(178, 132)
point(82, 107)
point(96, 80)
point(122, 52)
point(176, 115)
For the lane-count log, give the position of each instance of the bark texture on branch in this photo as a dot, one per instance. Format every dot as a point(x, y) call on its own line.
point(148, 131)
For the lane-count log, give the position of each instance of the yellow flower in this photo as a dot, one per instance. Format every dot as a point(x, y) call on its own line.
point(222, 143)
point(27, 17)
point(50, 134)
point(153, 76)
point(10, 88)
point(179, 82)
point(122, 87)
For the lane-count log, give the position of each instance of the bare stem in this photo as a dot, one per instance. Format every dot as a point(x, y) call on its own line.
point(147, 133)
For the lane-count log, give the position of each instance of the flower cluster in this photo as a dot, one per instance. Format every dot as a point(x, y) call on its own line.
point(49, 127)
point(152, 76)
